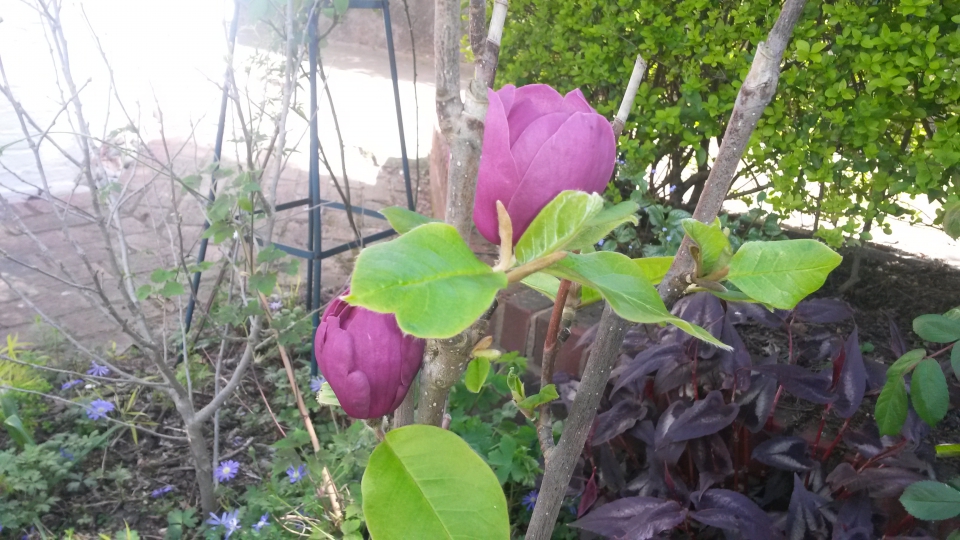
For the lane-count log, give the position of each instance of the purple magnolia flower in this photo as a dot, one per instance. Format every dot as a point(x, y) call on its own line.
point(226, 471)
point(262, 523)
point(98, 409)
point(70, 384)
point(160, 492)
point(295, 474)
point(530, 500)
point(369, 363)
point(229, 521)
point(316, 384)
point(537, 143)
point(97, 370)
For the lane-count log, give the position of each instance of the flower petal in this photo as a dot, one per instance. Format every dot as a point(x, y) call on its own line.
point(538, 132)
point(579, 156)
point(507, 94)
point(531, 102)
point(497, 175)
point(337, 361)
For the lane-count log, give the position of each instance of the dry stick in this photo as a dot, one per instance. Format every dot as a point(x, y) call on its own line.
point(756, 92)
point(462, 124)
point(327, 481)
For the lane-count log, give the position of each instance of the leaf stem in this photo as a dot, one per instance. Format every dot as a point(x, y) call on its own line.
point(551, 347)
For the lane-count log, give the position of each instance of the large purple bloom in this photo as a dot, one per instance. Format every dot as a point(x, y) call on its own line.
point(367, 360)
point(537, 143)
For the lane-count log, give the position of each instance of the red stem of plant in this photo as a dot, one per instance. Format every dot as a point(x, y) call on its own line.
point(776, 399)
point(823, 423)
point(553, 329)
point(893, 449)
point(836, 440)
point(943, 350)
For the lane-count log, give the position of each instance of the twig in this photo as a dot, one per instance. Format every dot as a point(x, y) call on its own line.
point(551, 347)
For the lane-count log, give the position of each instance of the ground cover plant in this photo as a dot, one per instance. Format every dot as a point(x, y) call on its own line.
point(724, 394)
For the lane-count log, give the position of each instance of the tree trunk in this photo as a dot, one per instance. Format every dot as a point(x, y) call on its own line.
point(202, 466)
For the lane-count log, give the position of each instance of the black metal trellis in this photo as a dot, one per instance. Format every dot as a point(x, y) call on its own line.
point(314, 252)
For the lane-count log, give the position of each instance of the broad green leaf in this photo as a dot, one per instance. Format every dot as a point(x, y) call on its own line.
point(715, 249)
point(937, 328)
point(906, 363)
point(326, 396)
point(622, 284)
point(171, 289)
point(403, 220)
point(269, 254)
point(426, 482)
point(928, 392)
point(544, 284)
point(557, 224)
point(589, 295)
point(143, 292)
point(951, 219)
point(429, 278)
point(654, 268)
point(476, 375)
point(947, 450)
point(160, 275)
point(341, 6)
point(782, 273)
point(955, 360)
point(265, 283)
point(955, 535)
point(891, 410)
point(600, 225)
point(544, 396)
point(931, 501)
point(17, 431)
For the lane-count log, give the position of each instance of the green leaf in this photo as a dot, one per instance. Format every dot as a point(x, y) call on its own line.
point(429, 278)
point(265, 283)
point(476, 375)
point(955, 360)
point(269, 254)
point(557, 224)
point(341, 6)
point(403, 220)
point(654, 268)
point(955, 535)
point(426, 482)
point(781, 273)
point(516, 387)
point(171, 289)
point(951, 219)
point(160, 275)
point(947, 450)
point(143, 292)
point(622, 284)
point(600, 225)
point(18, 432)
point(715, 249)
point(326, 396)
point(937, 328)
point(931, 501)
point(544, 284)
point(891, 410)
point(192, 181)
point(906, 363)
point(928, 392)
point(547, 394)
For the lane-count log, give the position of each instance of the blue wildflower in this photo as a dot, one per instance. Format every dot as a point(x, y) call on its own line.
point(97, 370)
point(664, 229)
point(228, 520)
point(275, 306)
point(70, 384)
point(530, 500)
point(160, 492)
point(316, 384)
point(673, 188)
point(66, 454)
point(226, 471)
point(295, 474)
point(262, 523)
point(98, 409)
point(669, 238)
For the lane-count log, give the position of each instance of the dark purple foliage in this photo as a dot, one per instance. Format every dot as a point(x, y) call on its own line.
point(876, 374)
point(621, 417)
point(866, 440)
point(881, 483)
point(648, 361)
point(823, 311)
point(705, 417)
point(735, 363)
point(703, 309)
point(674, 374)
point(914, 429)
point(804, 519)
point(854, 520)
point(852, 380)
point(800, 382)
point(637, 518)
point(712, 459)
point(748, 311)
point(589, 496)
point(731, 511)
point(667, 449)
point(897, 344)
point(786, 453)
point(757, 403)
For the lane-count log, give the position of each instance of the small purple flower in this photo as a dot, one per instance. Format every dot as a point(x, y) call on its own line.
point(66, 454)
point(653, 171)
point(226, 471)
point(160, 492)
point(262, 523)
point(669, 238)
point(228, 520)
point(673, 188)
point(664, 229)
point(530, 500)
point(97, 370)
point(316, 384)
point(98, 409)
point(70, 384)
point(236, 441)
point(295, 474)
point(600, 243)
point(275, 306)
